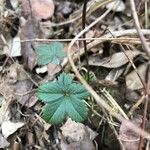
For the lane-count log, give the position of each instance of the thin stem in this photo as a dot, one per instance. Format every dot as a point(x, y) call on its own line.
point(137, 26)
point(146, 15)
point(84, 36)
point(30, 8)
point(145, 109)
point(147, 50)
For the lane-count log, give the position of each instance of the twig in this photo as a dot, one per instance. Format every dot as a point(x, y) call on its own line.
point(145, 109)
point(147, 50)
point(23, 94)
point(30, 9)
point(84, 36)
point(137, 26)
point(146, 14)
point(136, 105)
point(114, 103)
point(96, 41)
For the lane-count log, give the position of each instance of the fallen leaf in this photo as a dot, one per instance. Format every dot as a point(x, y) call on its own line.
point(15, 4)
point(41, 9)
point(7, 91)
point(24, 93)
point(128, 137)
point(118, 6)
point(9, 127)
point(114, 61)
point(114, 74)
point(133, 82)
point(3, 142)
point(30, 30)
point(132, 95)
point(5, 112)
point(13, 49)
point(13, 74)
point(53, 69)
point(90, 34)
point(80, 136)
point(65, 8)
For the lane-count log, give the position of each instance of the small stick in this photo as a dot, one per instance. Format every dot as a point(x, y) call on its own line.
point(84, 36)
point(136, 105)
point(147, 50)
point(137, 26)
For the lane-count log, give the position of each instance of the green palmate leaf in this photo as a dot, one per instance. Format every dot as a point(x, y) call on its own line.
point(63, 98)
point(49, 53)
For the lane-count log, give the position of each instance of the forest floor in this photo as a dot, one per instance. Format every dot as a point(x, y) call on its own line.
point(74, 75)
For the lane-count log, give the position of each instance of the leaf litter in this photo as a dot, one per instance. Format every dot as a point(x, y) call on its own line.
point(23, 70)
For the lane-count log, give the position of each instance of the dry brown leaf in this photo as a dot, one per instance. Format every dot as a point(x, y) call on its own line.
point(133, 82)
point(53, 69)
point(128, 137)
point(90, 34)
point(24, 93)
point(114, 61)
point(41, 9)
point(17, 85)
point(80, 136)
point(7, 91)
point(30, 30)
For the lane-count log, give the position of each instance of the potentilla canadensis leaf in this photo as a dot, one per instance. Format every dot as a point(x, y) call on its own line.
point(63, 98)
point(49, 53)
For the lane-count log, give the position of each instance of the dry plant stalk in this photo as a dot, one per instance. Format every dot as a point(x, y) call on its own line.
point(147, 50)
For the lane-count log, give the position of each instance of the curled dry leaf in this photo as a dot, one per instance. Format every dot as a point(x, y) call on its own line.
point(128, 137)
point(114, 61)
point(80, 135)
point(133, 82)
point(9, 127)
point(41, 9)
